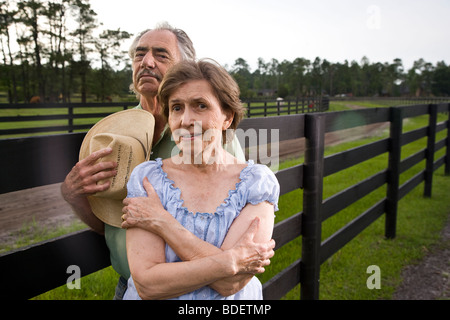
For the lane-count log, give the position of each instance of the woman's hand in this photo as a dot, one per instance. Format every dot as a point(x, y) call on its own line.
point(250, 257)
point(143, 212)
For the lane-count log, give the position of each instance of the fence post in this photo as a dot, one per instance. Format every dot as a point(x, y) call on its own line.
point(431, 141)
point(70, 118)
point(395, 148)
point(324, 104)
point(312, 203)
point(447, 158)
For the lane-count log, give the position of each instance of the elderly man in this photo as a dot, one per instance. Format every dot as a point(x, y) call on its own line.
point(153, 52)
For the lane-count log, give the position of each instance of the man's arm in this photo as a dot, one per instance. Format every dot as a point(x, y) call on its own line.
point(82, 181)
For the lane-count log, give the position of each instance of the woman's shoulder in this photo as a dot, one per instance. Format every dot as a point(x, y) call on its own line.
point(256, 172)
point(150, 169)
point(259, 184)
point(149, 165)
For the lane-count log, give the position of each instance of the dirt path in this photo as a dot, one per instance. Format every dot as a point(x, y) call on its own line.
point(42, 205)
point(430, 278)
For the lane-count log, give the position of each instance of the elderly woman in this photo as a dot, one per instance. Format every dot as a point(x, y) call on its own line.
point(211, 217)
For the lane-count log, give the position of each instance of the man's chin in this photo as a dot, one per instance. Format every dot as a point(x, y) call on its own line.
point(148, 89)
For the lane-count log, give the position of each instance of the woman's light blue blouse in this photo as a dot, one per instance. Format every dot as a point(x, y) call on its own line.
point(257, 184)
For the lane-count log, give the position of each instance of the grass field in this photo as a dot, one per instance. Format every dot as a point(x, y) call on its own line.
point(344, 275)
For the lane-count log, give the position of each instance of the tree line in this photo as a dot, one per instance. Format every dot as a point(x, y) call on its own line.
point(303, 77)
point(48, 50)
point(58, 41)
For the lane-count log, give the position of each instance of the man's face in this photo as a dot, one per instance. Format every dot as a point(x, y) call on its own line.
point(156, 52)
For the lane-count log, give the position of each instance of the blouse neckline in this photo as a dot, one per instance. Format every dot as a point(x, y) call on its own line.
point(220, 209)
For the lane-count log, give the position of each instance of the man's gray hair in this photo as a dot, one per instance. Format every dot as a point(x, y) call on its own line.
point(184, 42)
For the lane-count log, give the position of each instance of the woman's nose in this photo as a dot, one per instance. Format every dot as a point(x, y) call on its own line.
point(188, 118)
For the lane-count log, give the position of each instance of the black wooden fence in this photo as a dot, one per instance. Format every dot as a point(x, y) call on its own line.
point(74, 117)
point(35, 161)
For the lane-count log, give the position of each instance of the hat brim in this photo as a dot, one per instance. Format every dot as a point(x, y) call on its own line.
point(107, 210)
point(135, 123)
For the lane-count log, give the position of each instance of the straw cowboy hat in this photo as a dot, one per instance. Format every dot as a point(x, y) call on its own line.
point(129, 133)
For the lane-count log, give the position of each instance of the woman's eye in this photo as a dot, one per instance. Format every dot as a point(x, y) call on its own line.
point(176, 108)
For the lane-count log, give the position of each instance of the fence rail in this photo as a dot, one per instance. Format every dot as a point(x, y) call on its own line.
point(51, 258)
point(74, 117)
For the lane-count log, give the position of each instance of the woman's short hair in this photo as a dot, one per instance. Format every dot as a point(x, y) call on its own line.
point(225, 87)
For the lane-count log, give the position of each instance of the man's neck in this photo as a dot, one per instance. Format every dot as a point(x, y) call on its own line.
point(151, 105)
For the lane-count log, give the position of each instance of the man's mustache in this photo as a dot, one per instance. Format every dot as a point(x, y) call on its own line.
point(150, 73)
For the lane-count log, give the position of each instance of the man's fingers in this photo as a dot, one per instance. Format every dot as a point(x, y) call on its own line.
point(94, 156)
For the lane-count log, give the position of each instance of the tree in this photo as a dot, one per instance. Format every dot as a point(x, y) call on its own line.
point(419, 78)
point(441, 80)
point(108, 47)
point(29, 16)
point(85, 18)
point(241, 73)
point(56, 34)
point(6, 20)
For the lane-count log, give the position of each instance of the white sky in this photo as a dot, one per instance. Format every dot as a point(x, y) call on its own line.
point(225, 30)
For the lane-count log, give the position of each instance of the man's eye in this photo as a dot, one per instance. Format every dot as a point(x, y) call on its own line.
point(202, 106)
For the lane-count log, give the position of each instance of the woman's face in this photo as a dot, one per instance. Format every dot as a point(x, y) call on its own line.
point(196, 118)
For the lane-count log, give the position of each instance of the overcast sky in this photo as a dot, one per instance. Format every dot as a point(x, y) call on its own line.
point(287, 29)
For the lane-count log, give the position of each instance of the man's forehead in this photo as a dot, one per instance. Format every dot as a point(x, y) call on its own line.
point(159, 39)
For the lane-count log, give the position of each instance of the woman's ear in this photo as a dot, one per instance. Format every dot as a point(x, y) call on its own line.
point(228, 120)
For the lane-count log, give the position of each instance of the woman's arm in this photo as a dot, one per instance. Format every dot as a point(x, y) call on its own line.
point(148, 213)
point(262, 212)
point(155, 279)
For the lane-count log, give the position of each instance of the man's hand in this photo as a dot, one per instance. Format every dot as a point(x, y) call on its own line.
point(83, 178)
point(82, 182)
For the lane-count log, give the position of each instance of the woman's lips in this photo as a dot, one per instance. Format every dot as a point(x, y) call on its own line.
point(190, 137)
